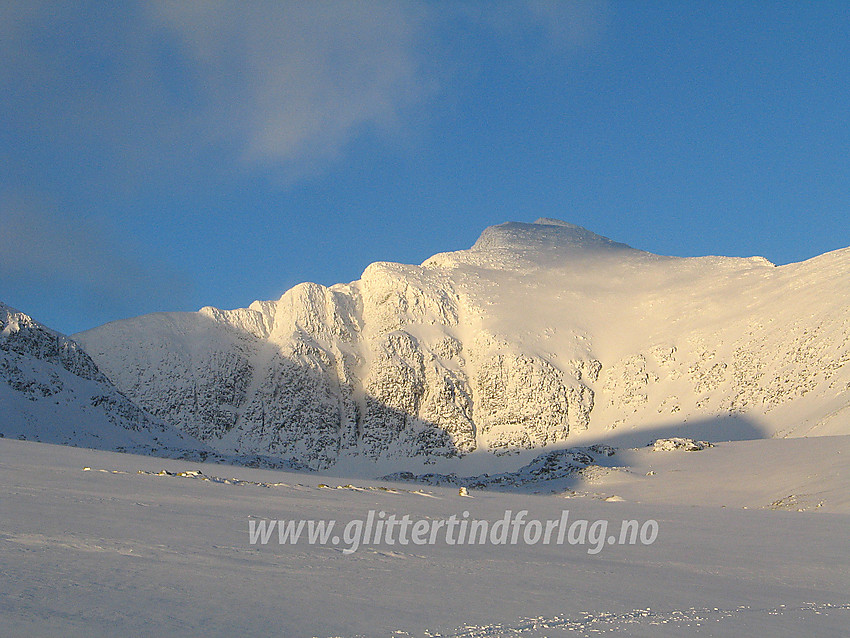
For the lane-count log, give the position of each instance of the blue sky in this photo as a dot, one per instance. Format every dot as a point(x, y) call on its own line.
point(166, 156)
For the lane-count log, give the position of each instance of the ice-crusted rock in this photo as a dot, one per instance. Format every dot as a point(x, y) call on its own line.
point(678, 443)
point(536, 334)
point(523, 402)
point(22, 336)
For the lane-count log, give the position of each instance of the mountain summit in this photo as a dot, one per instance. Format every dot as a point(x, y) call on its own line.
point(545, 233)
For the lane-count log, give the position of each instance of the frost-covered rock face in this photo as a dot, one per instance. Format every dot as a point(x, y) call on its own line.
point(52, 391)
point(676, 443)
point(539, 334)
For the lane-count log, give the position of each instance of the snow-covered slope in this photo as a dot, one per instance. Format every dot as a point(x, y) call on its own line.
point(540, 335)
point(51, 391)
point(127, 549)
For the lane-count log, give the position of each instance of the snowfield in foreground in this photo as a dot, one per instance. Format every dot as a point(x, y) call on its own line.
point(112, 551)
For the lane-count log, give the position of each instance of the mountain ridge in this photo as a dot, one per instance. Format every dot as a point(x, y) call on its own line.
point(53, 392)
point(538, 336)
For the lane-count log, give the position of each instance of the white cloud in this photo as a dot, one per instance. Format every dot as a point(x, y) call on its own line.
point(284, 85)
point(295, 81)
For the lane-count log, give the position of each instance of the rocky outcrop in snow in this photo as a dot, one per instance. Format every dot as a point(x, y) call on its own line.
point(678, 443)
point(549, 466)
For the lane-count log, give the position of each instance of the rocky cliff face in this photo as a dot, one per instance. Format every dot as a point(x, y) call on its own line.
point(539, 334)
point(51, 391)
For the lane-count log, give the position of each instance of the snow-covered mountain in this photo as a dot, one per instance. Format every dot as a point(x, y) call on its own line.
point(51, 391)
point(540, 335)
